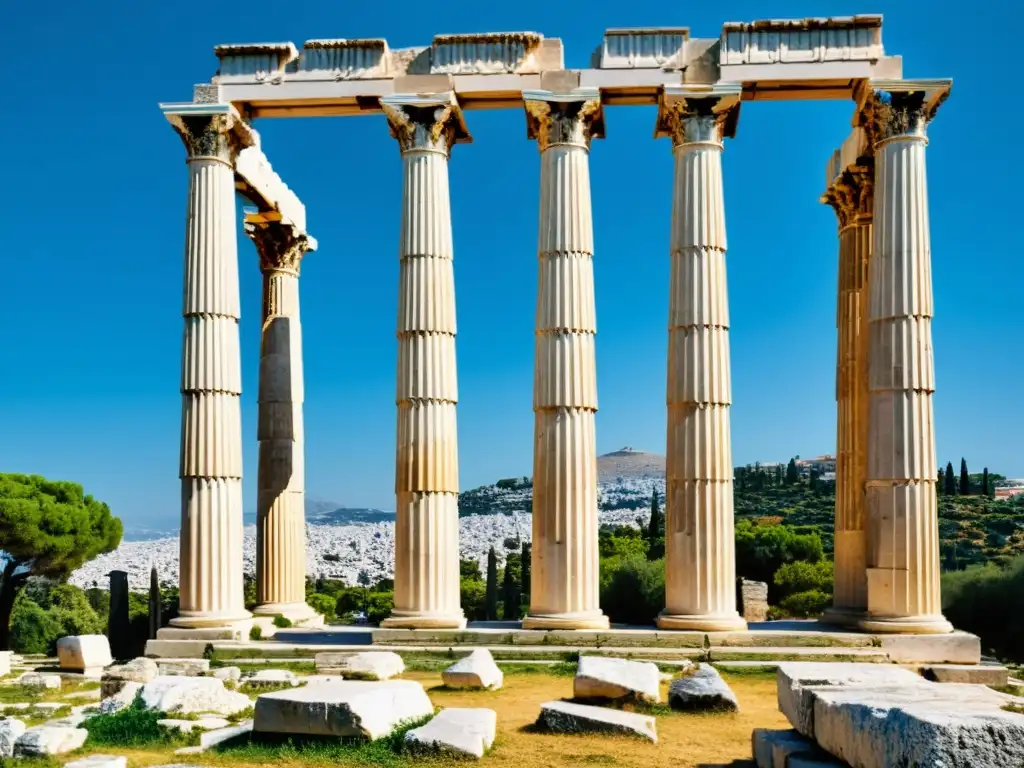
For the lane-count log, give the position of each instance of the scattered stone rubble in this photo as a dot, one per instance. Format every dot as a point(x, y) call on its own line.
point(603, 677)
point(701, 691)
point(477, 670)
point(455, 732)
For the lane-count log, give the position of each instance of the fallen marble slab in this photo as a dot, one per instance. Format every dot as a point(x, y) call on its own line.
point(567, 717)
point(49, 740)
point(793, 679)
point(227, 674)
point(604, 677)
point(10, 731)
point(141, 670)
point(80, 653)
point(348, 708)
point(184, 667)
point(270, 678)
point(477, 670)
point(703, 690)
point(368, 665)
point(983, 674)
point(99, 761)
point(939, 724)
point(39, 680)
point(457, 732)
point(776, 748)
point(192, 696)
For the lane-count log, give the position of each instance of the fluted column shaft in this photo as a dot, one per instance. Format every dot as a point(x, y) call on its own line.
point(903, 544)
point(426, 470)
point(564, 577)
point(280, 483)
point(851, 196)
point(211, 435)
point(700, 567)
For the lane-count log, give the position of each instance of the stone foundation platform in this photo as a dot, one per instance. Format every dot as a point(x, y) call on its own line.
point(770, 641)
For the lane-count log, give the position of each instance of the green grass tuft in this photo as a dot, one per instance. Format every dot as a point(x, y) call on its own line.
point(135, 726)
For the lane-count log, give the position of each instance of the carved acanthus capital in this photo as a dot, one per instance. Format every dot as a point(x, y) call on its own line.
point(572, 118)
point(696, 114)
point(892, 109)
point(430, 123)
point(210, 131)
point(851, 194)
point(280, 246)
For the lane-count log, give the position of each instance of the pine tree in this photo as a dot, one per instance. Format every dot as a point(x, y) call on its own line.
point(965, 479)
point(510, 595)
point(792, 473)
point(491, 601)
point(524, 572)
point(950, 480)
point(984, 482)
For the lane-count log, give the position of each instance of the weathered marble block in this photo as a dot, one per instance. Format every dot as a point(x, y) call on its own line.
point(79, 653)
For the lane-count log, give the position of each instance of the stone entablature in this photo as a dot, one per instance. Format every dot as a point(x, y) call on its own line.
point(485, 54)
point(641, 48)
point(344, 59)
point(260, 61)
point(847, 156)
point(784, 41)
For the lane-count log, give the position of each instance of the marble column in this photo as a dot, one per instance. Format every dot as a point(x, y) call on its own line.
point(280, 479)
point(902, 515)
point(427, 461)
point(850, 195)
point(210, 575)
point(700, 559)
point(564, 586)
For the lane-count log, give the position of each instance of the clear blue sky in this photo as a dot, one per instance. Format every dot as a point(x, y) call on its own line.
point(93, 191)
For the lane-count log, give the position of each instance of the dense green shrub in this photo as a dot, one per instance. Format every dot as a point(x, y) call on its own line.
point(379, 606)
point(989, 601)
point(761, 550)
point(632, 588)
point(806, 605)
point(801, 576)
point(322, 604)
point(134, 726)
point(33, 629)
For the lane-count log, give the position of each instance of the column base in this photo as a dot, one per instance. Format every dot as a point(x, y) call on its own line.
point(841, 616)
point(703, 622)
point(584, 620)
point(296, 613)
point(414, 620)
point(203, 620)
point(906, 625)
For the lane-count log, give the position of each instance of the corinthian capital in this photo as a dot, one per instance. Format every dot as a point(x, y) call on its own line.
point(572, 118)
point(210, 131)
point(692, 114)
point(851, 194)
point(419, 122)
point(281, 246)
point(892, 109)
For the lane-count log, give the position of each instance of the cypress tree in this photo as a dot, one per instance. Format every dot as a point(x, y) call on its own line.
point(984, 482)
point(950, 479)
point(155, 603)
point(965, 479)
point(792, 474)
point(510, 595)
point(940, 485)
point(654, 524)
point(491, 601)
point(524, 572)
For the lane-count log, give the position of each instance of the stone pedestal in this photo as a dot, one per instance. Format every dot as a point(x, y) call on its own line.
point(902, 515)
point(700, 567)
point(850, 194)
point(211, 432)
point(564, 578)
point(280, 482)
point(427, 461)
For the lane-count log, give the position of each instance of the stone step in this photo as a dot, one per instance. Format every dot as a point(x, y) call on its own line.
point(720, 654)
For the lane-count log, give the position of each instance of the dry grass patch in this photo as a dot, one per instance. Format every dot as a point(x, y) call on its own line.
point(684, 740)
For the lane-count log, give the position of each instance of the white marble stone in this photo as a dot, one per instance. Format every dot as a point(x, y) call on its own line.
point(349, 708)
point(184, 667)
point(458, 732)
point(601, 677)
point(703, 690)
point(372, 665)
point(477, 670)
point(227, 674)
point(79, 653)
point(124, 697)
point(795, 681)
point(40, 680)
point(99, 761)
point(49, 740)
point(566, 717)
point(192, 695)
point(11, 730)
